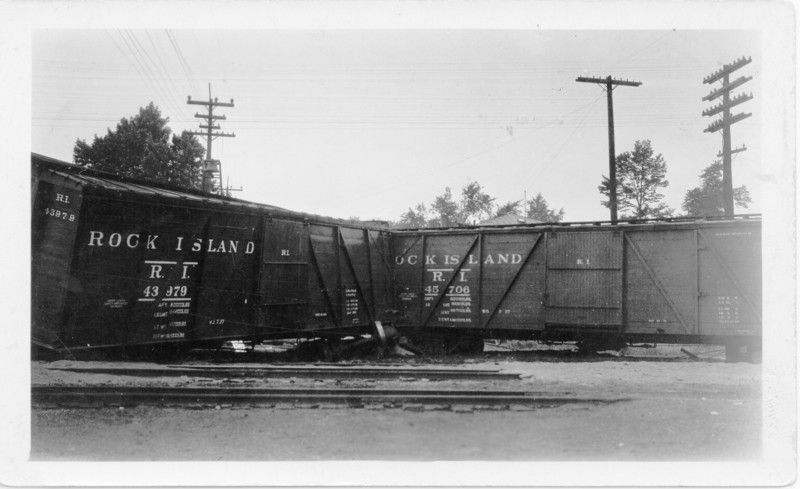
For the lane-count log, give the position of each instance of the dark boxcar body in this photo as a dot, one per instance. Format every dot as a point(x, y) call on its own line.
point(117, 262)
point(667, 282)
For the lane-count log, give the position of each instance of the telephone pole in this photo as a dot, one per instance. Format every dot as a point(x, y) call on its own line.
point(609, 84)
point(212, 169)
point(727, 121)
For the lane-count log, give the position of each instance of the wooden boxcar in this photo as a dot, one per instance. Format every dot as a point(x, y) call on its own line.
point(118, 262)
point(605, 285)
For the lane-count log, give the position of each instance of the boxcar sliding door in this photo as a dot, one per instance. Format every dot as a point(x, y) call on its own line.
point(584, 281)
point(283, 287)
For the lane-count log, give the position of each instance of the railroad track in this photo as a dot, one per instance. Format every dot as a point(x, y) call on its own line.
point(316, 372)
point(112, 396)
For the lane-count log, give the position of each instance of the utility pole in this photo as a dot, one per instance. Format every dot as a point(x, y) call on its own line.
point(727, 121)
point(525, 205)
point(609, 84)
point(212, 169)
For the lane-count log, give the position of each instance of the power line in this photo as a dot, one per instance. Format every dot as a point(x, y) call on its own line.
point(155, 78)
point(564, 144)
point(404, 182)
point(142, 68)
point(187, 70)
point(163, 70)
point(661, 40)
point(133, 63)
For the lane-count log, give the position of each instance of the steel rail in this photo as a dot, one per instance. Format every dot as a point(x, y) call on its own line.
point(299, 372)
point(111, 396)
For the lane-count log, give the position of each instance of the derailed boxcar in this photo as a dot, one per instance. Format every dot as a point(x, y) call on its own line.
point(602, 285)
point(117, 262)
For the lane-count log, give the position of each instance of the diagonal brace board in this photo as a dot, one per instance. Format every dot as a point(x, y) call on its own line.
point(444, 289)
point(413, 243)
point(369, 305)
point(658, 283)
point(512, 281)
point(325, 293)
point(375, 245)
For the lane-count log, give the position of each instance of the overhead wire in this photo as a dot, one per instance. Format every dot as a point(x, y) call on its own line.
point(652, 46)
point(168, 80)
point(137, 57)
point(140, 61)
point(124, 55)
point(403, 182)
point(345, 122)
point(390, 72)
point(155, 79)
point(187, 70)
point(567, 139)
point(660, 40)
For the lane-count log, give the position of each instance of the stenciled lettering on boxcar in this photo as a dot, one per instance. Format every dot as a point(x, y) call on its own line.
point(439, 280)
point(149, 241)
point(54, 225)
point(148, 281)
point(729, 262)
point(451, 286)
point(57, 208)
point(351, 303)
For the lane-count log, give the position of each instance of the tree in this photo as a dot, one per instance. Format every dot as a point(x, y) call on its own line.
point(444, 209)
point(414, 218)
point(141, 148)
point(510, 207)
point(538, 209)
point(706, 200)
point(640, 175)
point(476, 205)
point(186, 161)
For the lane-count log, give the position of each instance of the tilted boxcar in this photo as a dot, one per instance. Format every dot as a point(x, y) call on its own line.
point(117, 262)
point(696, 281)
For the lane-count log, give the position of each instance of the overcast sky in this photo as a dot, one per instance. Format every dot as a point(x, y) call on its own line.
point(370, 122)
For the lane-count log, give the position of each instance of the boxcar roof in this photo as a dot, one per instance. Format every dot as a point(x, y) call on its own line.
point(112, 183)
point(675, 222)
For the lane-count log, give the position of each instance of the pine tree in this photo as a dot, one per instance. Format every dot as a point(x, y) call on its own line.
point(539, 210)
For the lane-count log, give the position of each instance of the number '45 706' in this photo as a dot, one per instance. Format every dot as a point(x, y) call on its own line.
point(170, 291)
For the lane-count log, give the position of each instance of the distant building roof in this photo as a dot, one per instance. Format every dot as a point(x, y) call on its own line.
point(508, 220)
point(374, 223)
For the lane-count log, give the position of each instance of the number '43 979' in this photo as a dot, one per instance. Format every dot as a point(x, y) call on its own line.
point(170, 291)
